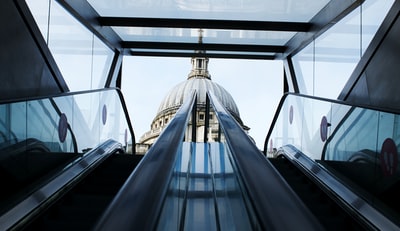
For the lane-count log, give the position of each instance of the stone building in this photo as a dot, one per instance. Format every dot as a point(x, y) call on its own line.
point(199, 79)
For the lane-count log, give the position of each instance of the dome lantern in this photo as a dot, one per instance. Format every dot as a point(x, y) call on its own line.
point(200, 62)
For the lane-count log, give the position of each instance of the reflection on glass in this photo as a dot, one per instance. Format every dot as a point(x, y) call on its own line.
point(102, 59)
point(358, 145)
point(337, 52)
point(151, 34)
point(82, 58)
point(303, 63)
point(204, 193)
point(323, 67)
point(263, 10)
point(99, 114)
point(71, 45)
point(373, 14)
point(39, 138)
point(40, 10)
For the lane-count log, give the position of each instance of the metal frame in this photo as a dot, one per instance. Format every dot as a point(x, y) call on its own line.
point(327, 17)
point(202, 46)
point(205, 24)
point(101, 26)
point(306, 33)
point(114, 71)
point(193, 54)
point(86, 15)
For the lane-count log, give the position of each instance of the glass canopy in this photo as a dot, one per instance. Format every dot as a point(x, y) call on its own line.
point(231, 29)
point(154, 34)
point(258, 10)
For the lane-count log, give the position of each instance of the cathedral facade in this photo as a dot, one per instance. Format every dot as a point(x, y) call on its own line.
point(198, 79)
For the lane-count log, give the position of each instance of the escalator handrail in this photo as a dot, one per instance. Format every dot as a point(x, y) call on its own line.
point(283, 99)
point(31, 205)
point(276, 206)
point(138, 203)
point(65, 94)
point(358, 205)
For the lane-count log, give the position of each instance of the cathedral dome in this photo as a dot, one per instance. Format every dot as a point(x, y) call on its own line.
point(176, 96)
point(200, 80)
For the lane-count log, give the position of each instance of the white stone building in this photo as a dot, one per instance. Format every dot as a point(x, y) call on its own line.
point(200, 80)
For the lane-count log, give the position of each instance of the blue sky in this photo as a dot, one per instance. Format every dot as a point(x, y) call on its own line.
point(255, 85)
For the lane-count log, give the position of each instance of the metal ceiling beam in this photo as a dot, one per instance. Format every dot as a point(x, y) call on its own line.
point(202, 46)
point(85, 13)
point(193, 54)
point(205, 24)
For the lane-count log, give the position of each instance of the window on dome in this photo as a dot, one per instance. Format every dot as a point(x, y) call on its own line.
point(201, 116)
point(200, 64)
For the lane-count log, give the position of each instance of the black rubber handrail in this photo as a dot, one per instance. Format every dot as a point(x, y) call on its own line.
point(139, 202)
point(276, 206)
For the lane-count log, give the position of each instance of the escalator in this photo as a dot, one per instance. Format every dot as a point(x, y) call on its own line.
point(340, 159)
point(24, 166)
point(183, 185)
point(328, 211)
point(82, 205)
point(62, 191)
point(63, 159)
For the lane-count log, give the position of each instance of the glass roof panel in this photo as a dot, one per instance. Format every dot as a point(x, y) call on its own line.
point(147, 34)
point(258, 10)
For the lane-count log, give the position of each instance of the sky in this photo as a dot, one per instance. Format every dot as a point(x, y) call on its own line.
point(255, 85)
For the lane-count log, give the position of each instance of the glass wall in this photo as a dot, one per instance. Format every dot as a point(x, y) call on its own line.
point(71, 123)
point(82, 58)
point(358, 145)
point(324, 66)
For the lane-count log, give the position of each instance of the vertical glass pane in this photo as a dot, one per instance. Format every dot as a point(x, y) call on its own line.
point(303, 63)
point(325, 70)
point(87, 119)
point(18, 120)
point(373, 14)
point(40, 12)
point(312, 141)
point(71, 45)
point(358, 132)
point(293, 122)
point(102, 59)
point(43, 124)
point(109, 110)
point(83, 59)
point(337, 52)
